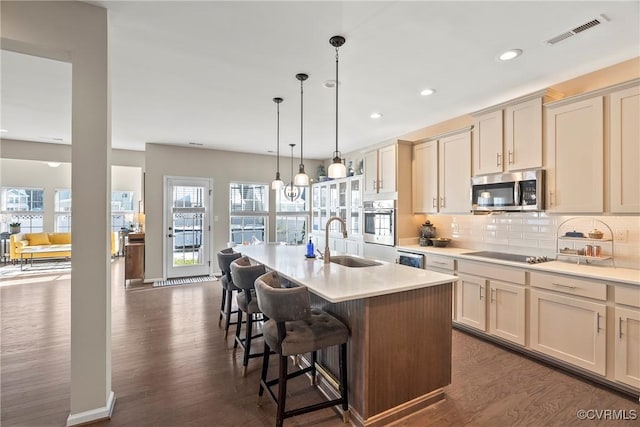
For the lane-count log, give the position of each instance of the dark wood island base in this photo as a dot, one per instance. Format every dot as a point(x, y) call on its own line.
point(399, 352)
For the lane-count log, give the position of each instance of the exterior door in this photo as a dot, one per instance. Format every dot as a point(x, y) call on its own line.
point(187, 206)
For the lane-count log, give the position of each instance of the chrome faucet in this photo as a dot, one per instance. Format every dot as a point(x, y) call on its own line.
point(327, 254)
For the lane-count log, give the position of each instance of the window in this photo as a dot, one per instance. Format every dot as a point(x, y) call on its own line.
point(62, 211)
point(292, 215)
point(121, 210)
point(248, 212)
point(24, 205)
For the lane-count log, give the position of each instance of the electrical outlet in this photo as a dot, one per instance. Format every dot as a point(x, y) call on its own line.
point(620, 236)
point(455, 227)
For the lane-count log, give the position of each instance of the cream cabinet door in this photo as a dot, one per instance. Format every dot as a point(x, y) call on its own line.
point(523, 135)
point(574, 157)
point(487, 143)
point(454, 173)
point(471, 301)
point(425, 177)
point(370, 172)
point(625, 151)
point(507, 311)
point(628, 346)
point(387, 169)
point(570, 329)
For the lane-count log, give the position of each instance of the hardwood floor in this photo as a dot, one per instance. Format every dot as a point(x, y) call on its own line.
point(172, 367)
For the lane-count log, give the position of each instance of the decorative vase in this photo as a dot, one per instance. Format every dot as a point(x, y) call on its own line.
point(14, 229)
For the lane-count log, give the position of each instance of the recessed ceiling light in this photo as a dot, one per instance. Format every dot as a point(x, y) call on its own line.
point(510, 54)
point(376, 115)
point(3, 130)
point(427, 92)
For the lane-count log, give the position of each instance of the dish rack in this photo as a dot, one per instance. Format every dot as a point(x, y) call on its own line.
point(578, 243)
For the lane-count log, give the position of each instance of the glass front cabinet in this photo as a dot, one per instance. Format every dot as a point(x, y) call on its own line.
point(342, 198)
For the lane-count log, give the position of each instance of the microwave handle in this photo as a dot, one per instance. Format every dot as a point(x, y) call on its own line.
point(516, 194)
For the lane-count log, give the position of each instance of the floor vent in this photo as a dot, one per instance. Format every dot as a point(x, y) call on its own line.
point(577, 30)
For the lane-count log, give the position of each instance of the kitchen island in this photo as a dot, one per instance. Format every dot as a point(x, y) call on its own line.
point(400, 328)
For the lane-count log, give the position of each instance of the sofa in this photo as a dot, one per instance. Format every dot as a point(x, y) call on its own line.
point(20, 241)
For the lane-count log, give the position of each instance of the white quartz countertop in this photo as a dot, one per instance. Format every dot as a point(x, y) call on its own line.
point(591, 271)
point(337, 283)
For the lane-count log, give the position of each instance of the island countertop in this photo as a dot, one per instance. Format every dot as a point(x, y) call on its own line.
point(337, 283)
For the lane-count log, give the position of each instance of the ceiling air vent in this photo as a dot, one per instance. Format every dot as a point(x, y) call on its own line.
point(580, 28)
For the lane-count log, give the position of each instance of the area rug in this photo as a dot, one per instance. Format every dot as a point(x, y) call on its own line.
point(40, 268)
point(183, 281)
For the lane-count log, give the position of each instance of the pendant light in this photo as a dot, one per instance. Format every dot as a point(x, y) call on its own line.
point(337, 169)
point(277, 183)
point(291, 191)
point(301, 179)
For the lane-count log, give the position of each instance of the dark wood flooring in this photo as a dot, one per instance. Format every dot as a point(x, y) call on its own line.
point(172, 367)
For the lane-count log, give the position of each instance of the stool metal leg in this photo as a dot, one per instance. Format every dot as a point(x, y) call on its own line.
point(238, 327)
point(228, 311)
point(247, 343)
point(343, 382)
point(222, 305)
point(282, 390)
point(265, 369)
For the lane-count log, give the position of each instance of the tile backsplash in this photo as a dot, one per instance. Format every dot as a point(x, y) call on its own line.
point(536, 233)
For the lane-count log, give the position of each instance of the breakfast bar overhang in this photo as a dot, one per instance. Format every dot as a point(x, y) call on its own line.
point(400, 328)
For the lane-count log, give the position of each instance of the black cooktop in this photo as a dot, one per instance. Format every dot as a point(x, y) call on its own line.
point(509, 257)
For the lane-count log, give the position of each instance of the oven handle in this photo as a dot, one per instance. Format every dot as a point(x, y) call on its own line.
point(380, 211)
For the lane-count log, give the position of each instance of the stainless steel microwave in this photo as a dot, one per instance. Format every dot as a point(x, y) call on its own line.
point(513, 191)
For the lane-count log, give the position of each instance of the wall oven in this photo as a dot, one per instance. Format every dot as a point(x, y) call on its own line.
point(513, 191)
point(379, 222)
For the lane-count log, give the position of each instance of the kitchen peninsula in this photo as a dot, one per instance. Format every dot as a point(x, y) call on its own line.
point(400, 328)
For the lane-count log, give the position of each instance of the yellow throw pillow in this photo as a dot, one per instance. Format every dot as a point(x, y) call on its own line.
point(37, 239)
point(60, 238)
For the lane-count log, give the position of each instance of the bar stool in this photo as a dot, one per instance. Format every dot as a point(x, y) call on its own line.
point(244, 275)
point(295, 328)
point(225, 258)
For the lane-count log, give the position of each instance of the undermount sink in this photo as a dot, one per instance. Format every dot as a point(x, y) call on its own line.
point(349, 261)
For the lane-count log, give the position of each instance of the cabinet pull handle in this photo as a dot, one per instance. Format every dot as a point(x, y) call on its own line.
point(442, 202)
point(620, 327)
point(480, 288)
point(374, 184)
point(564, 286)
point(510, 157)
point(439, 262)
point(380, 184)
point(434, 203)
point(550, 198)
point(492, 293)
point(498, 155)
point(597, 323)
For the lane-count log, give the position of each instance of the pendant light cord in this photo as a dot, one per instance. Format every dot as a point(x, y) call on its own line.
point(278, 139)
point(301, 121)
point(337, 85)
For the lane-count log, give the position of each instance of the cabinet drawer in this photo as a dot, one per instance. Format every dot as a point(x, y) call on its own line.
point(492, 271)
point(440, 262)
point(627, 296)
point(569, 285)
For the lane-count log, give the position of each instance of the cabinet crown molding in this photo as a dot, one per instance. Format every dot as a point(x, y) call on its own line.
point(549, 93)
point(598, 92)
point(444, 135)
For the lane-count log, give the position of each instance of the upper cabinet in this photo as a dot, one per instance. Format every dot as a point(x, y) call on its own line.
point(442, 174)
point(380, 170)
point(574, 155)
point(625, 150)
point(487, 143)
point(454, 173)
point(508, 137)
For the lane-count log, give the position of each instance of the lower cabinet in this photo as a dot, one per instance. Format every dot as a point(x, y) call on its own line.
point(471, 301)
point(627, 338)
point(507, 311)
point(570, 329)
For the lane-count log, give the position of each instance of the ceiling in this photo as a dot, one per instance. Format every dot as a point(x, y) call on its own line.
point(205, 72)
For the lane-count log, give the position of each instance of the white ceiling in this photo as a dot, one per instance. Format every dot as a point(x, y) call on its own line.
point(206, 72)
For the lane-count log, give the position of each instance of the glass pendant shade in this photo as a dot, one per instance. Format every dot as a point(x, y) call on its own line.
point(277, 183)
point(337, 169)
point(301, 179)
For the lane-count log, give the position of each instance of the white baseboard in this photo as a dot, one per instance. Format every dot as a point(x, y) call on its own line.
point(93, 414)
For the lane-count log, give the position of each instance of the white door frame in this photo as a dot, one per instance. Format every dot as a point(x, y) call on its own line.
point(207, 232)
